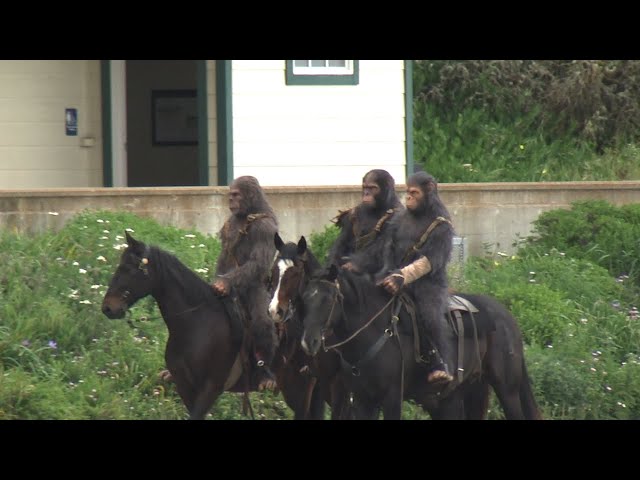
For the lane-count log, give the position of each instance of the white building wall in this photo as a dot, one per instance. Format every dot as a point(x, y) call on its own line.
point(287, 135)
point(34, 149)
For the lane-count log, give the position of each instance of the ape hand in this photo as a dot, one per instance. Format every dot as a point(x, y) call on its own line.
point(393, 283)
point(350, 266)
point(220, 287)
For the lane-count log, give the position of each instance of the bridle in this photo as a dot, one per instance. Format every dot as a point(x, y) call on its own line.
point(338, 294)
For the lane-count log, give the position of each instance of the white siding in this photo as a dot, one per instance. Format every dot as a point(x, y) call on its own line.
point(34, 150)
point(317, 134)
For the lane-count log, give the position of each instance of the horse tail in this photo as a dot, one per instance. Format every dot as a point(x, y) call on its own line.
point(529, 405)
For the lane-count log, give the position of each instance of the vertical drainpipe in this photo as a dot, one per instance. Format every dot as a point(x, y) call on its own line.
point(107, 149)
point(225, 122)
point(203, 124)
point(408, 114)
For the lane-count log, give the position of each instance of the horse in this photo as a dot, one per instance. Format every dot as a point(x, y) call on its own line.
point(377, 350)
point(293, 266)
point(203, 351)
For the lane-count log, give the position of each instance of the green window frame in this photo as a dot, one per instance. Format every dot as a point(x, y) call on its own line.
point(317, 74)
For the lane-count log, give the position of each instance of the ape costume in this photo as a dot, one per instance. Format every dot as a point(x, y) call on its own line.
point(244, 266)
point(359, 246)
point(417, 253)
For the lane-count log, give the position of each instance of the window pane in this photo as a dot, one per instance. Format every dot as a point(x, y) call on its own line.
point(318, 63)
point(301, 63)
point(337, 63)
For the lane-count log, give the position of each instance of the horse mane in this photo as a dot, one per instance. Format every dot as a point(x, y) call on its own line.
point(312, 262)
point(193, 287)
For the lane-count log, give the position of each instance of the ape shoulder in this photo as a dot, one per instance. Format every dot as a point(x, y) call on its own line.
point(344, 215)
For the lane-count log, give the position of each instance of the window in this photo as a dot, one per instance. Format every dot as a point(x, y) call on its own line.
point(174, 118)
point(322, 72)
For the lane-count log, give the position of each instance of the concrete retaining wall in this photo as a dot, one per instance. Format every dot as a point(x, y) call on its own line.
point(487, 215)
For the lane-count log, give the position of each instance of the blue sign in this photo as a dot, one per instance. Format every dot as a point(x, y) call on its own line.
point(71, 121)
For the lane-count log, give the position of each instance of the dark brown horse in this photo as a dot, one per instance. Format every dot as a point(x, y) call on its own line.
point(316, 378)
point(352, 315)
point(204, 344)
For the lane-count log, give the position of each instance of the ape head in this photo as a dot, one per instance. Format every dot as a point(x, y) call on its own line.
point(422, 192)
point(246, 196)
point(378, 190)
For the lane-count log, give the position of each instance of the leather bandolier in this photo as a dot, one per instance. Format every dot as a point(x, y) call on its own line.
point(367, 239)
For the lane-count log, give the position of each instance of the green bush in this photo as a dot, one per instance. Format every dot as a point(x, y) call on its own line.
point(518, 120)
point(595, 230)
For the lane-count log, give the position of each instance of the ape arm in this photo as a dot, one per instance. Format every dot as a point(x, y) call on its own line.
point(345, 242)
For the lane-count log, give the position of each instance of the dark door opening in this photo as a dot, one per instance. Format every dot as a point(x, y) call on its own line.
point(162, 123)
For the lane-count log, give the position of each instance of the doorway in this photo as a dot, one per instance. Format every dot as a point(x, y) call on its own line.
point(162, 123)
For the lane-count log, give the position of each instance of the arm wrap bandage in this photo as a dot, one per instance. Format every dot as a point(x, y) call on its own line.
point(415, 270)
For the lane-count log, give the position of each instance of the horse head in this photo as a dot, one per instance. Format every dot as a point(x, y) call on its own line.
point(290, 267)
point(322, 307)
point(131, 280)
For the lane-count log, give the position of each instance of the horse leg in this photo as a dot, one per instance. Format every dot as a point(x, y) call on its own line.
point(392, 406)
point(316, 407)
point(204, 399)
point(509, 398)
point(476, 400)
point(450, 408)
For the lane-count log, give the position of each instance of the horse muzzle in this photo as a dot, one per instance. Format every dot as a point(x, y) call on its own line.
point(310, 344)
point(114, 308)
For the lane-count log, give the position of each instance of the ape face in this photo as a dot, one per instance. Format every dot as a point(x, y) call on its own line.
point(415, 198)
point(370, 191)
point(236, 200)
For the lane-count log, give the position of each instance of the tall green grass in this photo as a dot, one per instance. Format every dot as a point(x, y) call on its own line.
point(60, 358)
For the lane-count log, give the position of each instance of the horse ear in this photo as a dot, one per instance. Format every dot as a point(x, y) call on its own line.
point(333, 272)
point(130, 240)
point(278, 241)
point(302, 245)
point(134, 244)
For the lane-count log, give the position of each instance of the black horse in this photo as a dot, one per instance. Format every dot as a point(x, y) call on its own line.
point(357, 317)
point(202, 351)
point(316, 377)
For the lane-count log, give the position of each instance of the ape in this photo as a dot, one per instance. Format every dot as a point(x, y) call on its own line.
point(417, 252)
point(359, 246)
point(244, 265)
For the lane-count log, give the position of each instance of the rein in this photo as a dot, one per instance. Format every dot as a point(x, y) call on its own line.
point(325, 347)
point(377, 346)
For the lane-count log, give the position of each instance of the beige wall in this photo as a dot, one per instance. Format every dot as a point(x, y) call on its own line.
point(482, 213)
point(150, 164)
point(317, 134)
point(35, 152)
